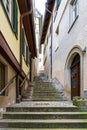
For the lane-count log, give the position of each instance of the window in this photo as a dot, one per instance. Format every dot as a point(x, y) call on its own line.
point(51, 28)
point(11, 9)
point(47, 40)
point(15, 17)
point(25, 48)
point(57, 30)
point(74, 10)
point(2, 77)
point(7, 5)
point(27, 55)
point(57, 4)
point(23, 43)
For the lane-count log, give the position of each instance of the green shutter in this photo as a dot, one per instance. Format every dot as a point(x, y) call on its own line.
point(15, 17)
point(16, 28)
point(27, 55)
point(23, 43)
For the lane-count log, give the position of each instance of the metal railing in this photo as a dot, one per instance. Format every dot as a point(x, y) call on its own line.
point(26, 78)
point(12, 80)
point(8, 84)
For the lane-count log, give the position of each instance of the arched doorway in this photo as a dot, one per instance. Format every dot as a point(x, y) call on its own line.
point(75, 76)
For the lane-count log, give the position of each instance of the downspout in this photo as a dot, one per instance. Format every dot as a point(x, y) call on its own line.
point(30, 69)
point(21, 22)
point(20, 44)
point(51, 46)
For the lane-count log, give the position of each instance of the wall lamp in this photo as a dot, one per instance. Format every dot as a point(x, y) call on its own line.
point(84, 50)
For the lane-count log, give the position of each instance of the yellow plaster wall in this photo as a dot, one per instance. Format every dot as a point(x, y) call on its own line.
point(10, 97)
point(10, 37)
point(8, 34)
point(24, 66)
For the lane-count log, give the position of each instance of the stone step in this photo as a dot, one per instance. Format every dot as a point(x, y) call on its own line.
point(45, 115)
point(39, 99)
point(27, 95)
point(42, 82)
point(43, 129)
point(55, 123)
point(43, 106)
point(41, 109)
point(47, 99)
point(45, 89)
point(43, 85)
point(47, 95)
point(27, 99)
point(46, 92)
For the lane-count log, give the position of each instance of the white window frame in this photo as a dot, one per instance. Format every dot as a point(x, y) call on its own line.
point(74, 11)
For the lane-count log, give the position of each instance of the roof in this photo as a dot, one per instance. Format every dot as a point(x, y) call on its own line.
point(47, 17)
point(28, 22)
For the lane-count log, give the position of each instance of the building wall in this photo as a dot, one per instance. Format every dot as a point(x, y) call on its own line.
point(13, 42)
point(10, 96)
point(8, 34)
point(68, 39)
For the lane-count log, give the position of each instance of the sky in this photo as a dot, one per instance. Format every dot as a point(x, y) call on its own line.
point(40, 5)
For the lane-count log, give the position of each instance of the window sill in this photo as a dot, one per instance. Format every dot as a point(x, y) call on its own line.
point(73, 23)
point(57, 48)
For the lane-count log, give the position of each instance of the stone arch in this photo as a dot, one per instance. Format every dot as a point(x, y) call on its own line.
point(74, 51)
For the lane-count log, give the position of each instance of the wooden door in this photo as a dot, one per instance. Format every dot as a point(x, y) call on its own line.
point(75, 77)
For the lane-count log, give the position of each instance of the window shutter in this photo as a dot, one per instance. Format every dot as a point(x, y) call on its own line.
point(23, 43)
point(15, 17)
point(16, 28)
point(27, 55)
point(7, 6)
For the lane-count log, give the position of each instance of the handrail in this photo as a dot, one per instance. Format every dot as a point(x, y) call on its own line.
point(7, 85)
point(24, 79)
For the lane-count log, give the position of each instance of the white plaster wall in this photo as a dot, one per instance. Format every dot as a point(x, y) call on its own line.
point(66, 41)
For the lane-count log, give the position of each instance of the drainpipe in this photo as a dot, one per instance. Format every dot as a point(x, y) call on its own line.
point(17, 89)
point(20, 44)
point(51, 62)
point(52, 47)
point(30, 69)
point(21, 22)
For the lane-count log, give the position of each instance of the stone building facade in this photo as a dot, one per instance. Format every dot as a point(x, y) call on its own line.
point(69, 47)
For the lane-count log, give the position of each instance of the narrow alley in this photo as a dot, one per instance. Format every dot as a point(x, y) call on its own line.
point(43, 65)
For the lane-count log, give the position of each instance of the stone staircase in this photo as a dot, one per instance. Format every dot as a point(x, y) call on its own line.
point(43, 90)
point(43, 107)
